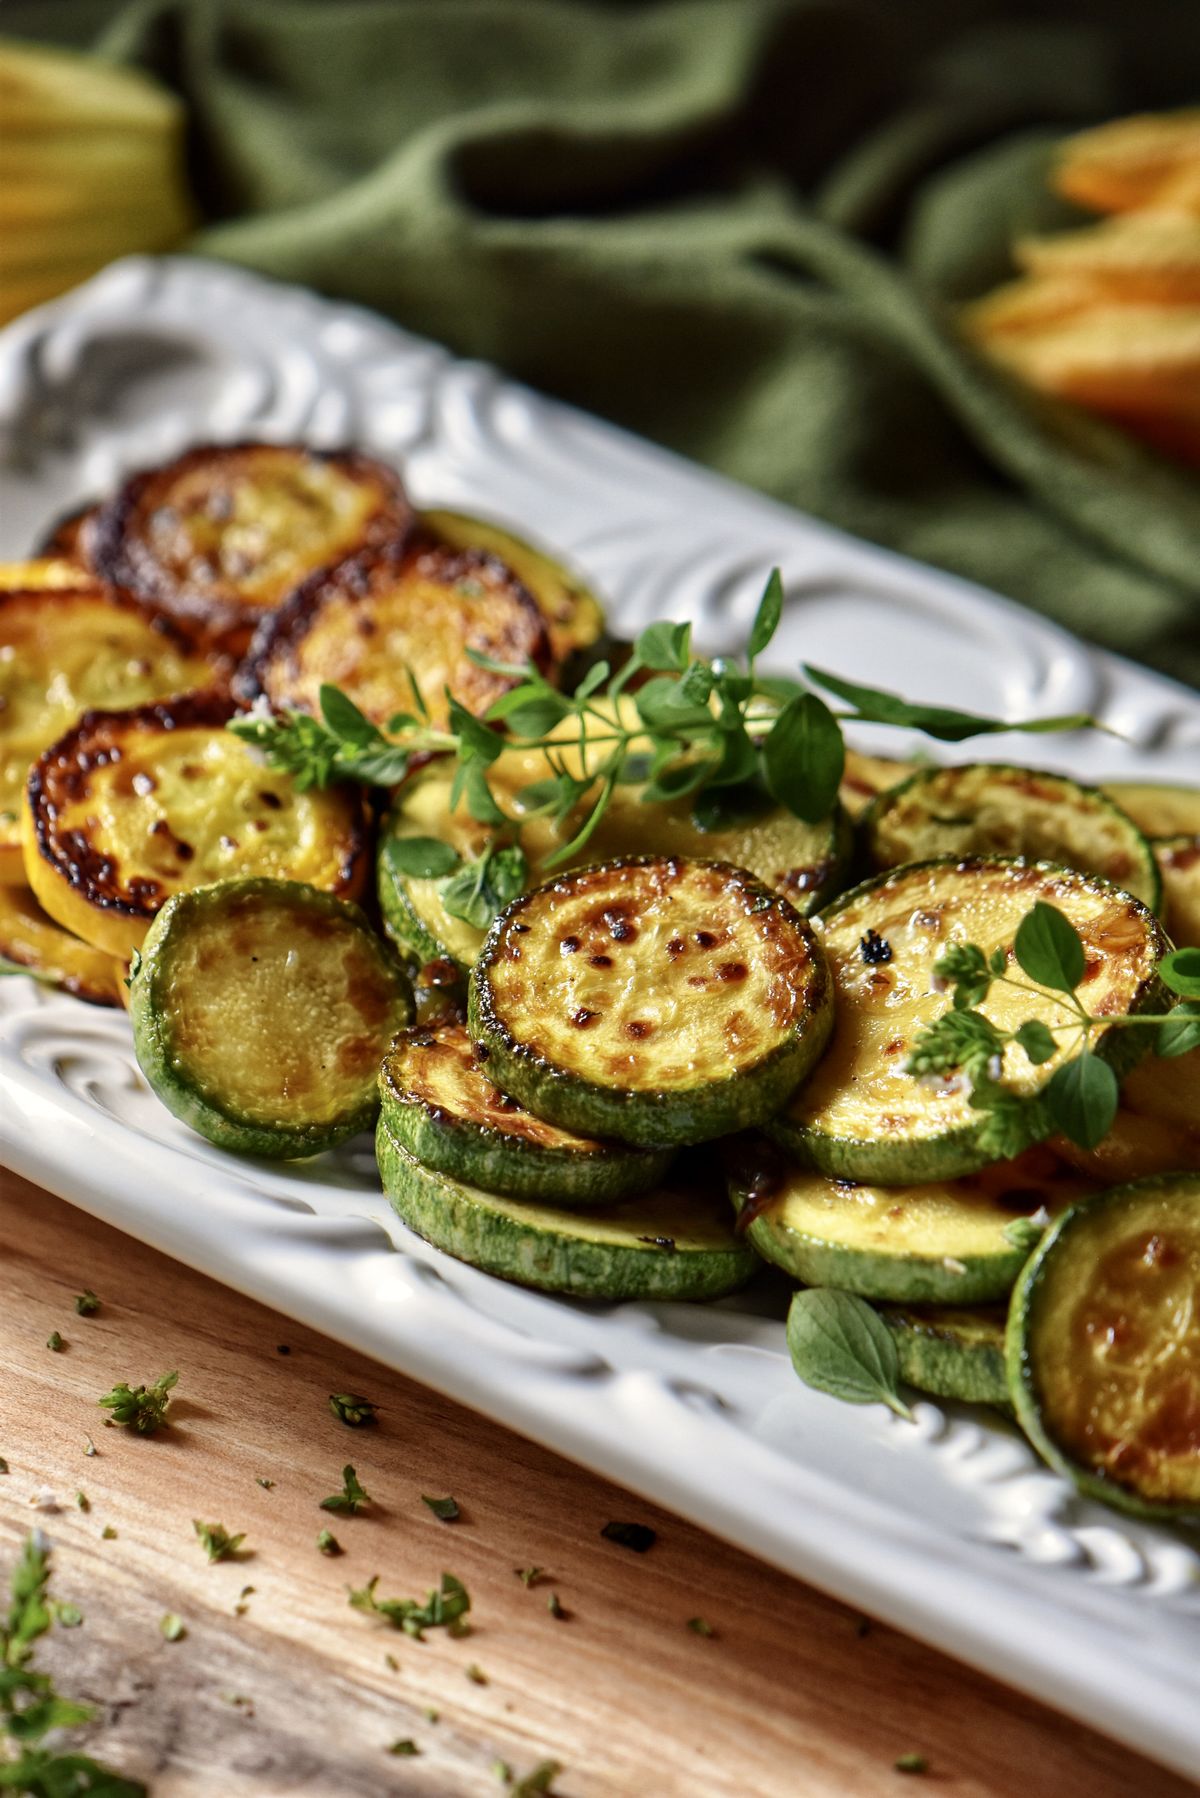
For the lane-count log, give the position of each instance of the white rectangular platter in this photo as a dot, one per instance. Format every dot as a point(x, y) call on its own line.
point(948, 1528)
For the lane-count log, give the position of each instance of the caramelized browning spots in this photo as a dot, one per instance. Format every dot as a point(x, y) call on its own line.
point(1116, 1342)
point(653, 974)
point(280, 997)
point(860, 1088)
point(369, 621)
point(439, 1067)
point(129, 807)
point(223, 534)
point(985, 809)
point(70, 537)
point(63, 649)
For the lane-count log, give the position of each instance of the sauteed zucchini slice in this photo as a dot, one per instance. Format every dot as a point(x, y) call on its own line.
point(861, 1116)
point(944, 1242)
point(574, 616)
point(47, 570)
point(439, 1102)
point(224, 533)
point(1179, 864)
point(660, 1001)
point(1104, 1347)
point(676, 1242)
point(33, 943)
point(129, 807)
point(1158, 810)
point(64, 648)
point(807, 863)
point(373, 627)
point(951, 1353)
point(982, 808)
point(260, 1011)
point(68, 539)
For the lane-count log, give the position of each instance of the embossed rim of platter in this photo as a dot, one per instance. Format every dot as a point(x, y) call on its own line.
point(950, 1530)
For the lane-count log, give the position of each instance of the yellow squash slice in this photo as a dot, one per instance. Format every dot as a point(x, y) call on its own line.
point(130, 807)
point(225, 533)
point(63, 649)
point(374, 627)
point(32, 942)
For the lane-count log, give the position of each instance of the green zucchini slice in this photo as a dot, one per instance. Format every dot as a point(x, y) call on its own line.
point(1179, 863)
point(805, 862)
point(676, 1242)
point(260, 1011)
point(439, 1102)
point(951, 1353)
point(947, 1242)
point(982, 808)
point(861, 1116)
point(658, 1001)
point(574, 616)
point(1103, 1347)
point(1158, 810)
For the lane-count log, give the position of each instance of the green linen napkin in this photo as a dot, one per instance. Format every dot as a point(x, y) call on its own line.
point(739, 227)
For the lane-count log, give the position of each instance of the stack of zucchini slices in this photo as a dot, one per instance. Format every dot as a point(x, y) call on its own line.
point(549, 1099)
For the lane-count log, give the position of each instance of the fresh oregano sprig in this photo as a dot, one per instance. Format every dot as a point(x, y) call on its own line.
point(718, 731)
point(1080, 1099)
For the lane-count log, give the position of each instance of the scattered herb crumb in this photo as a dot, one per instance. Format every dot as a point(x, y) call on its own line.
point(89, 1447)
point(216, 1540)
point(700, 1626)
point(68, 1615)
point(83, 1501)
point(352, 1497)
point(264, 1483)
point(405, 1747)
point(239, 1701)
point(444, 1608)
point(911, 1763)
point(241, 1607)
point(637, 1536)
point(445, 1509)
point(3, 1465)
point(172, 1627)
point(539, 1781)
point(54, 1341)
point(281, 1348)
point(390, 1661)
point(502, 1771)
point(475, 1674)
point(108, 1533)
point(528, 1576)
point(875, 949)
point(328, 1543)
point(86, 1303)
point(431, 1716)
point(349, 1409)
point(556, 1608)
point(140, 1408)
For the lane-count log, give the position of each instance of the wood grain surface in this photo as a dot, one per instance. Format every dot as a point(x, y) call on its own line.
point(287, 1690)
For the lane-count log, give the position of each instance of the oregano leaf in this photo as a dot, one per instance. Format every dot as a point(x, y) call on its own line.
point(872, 705)
point(766, 619)
point(1180, 970)
point(664, 647)
point(1048, 948)
point(1081, 1099)
point(839, 1345)
point(420, 858)
point(803, 758)
point(1179, 1032)
point(1036, 1040)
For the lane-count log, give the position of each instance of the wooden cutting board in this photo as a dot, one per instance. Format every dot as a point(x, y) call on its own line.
point(287, 1690)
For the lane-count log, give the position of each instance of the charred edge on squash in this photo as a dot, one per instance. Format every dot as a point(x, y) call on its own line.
point(70, 757)
point(116, 552)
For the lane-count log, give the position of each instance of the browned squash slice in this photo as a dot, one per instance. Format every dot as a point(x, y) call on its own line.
point(69, 539)
point(223, 534)
point(369, 624)
point(866, 775)
point(32, 942)
point(1156, 1130)
point(63, 649)
point(1178, 861)
point(130, 807)
point(51, 570)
